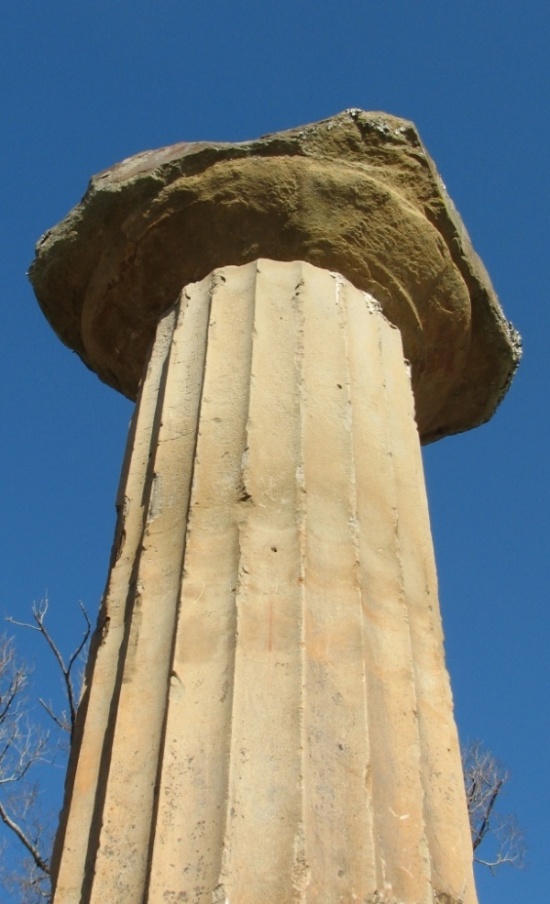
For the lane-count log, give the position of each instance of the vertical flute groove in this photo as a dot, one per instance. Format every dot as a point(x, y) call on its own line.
point(249, 294)
point(301, 868)
point(185, 299)
point(346, 302)
point(130, 785)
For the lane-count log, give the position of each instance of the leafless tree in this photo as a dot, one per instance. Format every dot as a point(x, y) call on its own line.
point(502, 838)
point(25, 748)
point(71, 682)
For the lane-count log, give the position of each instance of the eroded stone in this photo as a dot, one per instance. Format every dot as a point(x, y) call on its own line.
point(356, 193)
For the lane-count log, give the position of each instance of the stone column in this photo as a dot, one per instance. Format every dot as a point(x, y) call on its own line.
point(267, 715)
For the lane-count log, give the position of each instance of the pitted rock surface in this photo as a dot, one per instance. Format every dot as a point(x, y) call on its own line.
point(356, 193)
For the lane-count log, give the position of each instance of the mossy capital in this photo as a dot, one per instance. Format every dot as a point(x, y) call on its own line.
point(356, 193)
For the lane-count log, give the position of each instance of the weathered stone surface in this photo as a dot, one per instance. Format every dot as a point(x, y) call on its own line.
point(269, 718)
point(356, 193)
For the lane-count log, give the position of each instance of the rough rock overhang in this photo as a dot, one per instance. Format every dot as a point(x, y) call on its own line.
point(356, 193)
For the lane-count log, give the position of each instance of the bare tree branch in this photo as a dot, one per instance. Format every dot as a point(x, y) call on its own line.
point(25, 745)
point(39, 612)
point(484, 780)
point(40, 862)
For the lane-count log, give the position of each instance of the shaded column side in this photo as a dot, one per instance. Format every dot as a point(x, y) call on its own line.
point(79, 820)
point(279, 703)
point(121, 861)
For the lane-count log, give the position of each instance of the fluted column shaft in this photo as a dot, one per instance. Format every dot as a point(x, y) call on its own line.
point(268, 716)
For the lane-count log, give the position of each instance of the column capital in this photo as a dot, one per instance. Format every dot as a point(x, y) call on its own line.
point(356, 193)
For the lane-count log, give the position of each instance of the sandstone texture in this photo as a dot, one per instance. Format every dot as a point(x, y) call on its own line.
point(268, 717)
point(356, 194)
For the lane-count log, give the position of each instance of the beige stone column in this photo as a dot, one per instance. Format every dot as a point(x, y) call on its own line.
point(280, 726)
point(267, 717)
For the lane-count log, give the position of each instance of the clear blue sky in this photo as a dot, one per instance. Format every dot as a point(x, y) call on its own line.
point(86, 83)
